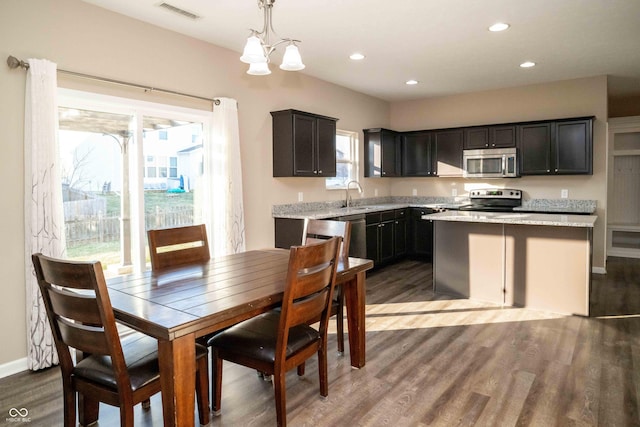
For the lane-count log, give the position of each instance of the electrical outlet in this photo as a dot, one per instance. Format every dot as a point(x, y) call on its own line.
point(454, 192)
point(375, 192)
point(414, 192)
point(564, 193)
point(300, 196)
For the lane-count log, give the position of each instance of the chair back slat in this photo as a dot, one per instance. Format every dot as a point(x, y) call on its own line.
point(309, 286)
point(88, 339)
point(171, 247)
point(316, 230)
point(82, 308)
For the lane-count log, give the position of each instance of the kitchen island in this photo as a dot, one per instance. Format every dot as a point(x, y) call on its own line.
point(539, 261)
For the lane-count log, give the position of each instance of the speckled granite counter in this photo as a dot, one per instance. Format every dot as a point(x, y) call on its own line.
point(334, 209)
point(515, 218)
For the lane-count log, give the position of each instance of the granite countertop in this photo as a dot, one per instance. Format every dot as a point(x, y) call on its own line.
point(334, 209)
point(560, 220)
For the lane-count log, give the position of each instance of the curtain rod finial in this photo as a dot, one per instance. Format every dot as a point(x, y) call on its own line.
point(14, 62)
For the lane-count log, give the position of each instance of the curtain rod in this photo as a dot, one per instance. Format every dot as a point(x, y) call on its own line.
point(14, 62)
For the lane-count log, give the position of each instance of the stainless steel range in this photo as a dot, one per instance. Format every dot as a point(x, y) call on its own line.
point(493, 199)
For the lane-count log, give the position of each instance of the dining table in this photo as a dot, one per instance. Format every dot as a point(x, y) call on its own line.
point(180, 305)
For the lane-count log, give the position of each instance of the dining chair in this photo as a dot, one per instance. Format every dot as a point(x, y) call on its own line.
point(171, 247)
point(117, 371)
point(316, 230)
point(279, 340)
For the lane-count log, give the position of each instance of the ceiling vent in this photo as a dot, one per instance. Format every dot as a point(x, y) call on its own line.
point(178, 11)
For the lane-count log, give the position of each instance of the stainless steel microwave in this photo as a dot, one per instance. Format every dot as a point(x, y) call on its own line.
point(490, 163)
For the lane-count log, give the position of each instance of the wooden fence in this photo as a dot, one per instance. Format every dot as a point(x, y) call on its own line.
point(101, 229)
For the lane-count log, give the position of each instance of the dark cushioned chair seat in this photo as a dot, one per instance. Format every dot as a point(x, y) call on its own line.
point(256, 337)
point(141, 357)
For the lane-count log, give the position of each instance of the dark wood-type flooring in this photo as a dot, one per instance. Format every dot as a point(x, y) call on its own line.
point(434, 361)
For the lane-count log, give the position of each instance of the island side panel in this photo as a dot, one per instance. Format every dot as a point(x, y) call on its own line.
point(551, 268)
point(469, 260)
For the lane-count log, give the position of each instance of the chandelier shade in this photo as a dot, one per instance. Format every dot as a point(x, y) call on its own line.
point(259, 47)
point(292, 61)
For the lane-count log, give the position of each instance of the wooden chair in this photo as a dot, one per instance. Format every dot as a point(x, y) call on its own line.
point(316, 230)
point(279, 340)
point(171, 247)
point(119, 372)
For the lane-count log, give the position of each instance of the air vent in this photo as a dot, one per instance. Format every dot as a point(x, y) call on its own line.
point(179, 11)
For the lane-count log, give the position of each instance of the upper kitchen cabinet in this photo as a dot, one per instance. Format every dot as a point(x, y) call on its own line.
point(418, 154)
point(562, 147)
point(304, 144)
point(449, 145)
point(501, 136)
point(382, 153)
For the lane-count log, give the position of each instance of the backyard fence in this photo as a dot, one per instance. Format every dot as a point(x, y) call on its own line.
point(102, 229)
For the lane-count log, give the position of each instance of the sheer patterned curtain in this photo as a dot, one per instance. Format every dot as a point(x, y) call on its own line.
point(224, 193)
point(44, 218)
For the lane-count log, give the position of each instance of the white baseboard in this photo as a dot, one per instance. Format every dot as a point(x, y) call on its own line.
point(598, 270)
point(13, 367)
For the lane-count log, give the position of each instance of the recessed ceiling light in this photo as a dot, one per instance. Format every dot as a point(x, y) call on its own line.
point(498, 26)
point(411, 82)
point(356, 56)
point(528, 64)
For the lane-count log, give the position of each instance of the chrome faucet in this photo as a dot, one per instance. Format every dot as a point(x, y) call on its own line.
point(348, 200)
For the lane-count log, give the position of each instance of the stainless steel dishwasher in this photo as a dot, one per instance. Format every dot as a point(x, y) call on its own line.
point(358, 245)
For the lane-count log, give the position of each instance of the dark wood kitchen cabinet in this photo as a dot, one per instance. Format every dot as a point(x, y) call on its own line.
point(380, 236)
point(562, 147)
point(449, 144)
point(418, 154)
point(382, 153)
point(400, 233)
point(420, 233)
point(502, 136)
point(304, 144)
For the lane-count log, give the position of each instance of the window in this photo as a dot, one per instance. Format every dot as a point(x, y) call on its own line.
point(346, 160)
point(158, 182)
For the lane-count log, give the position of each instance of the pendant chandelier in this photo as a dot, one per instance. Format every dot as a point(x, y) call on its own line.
point(259, 47)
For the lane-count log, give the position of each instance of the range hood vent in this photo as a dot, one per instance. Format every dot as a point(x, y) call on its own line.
point(178, 11)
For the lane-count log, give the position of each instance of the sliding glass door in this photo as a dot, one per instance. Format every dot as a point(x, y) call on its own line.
point(127, 167)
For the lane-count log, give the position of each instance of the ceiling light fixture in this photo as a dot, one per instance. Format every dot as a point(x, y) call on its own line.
point(259, 47)
point(411, 82)
point(498, 26)
point(356, 56)
point(528, 64)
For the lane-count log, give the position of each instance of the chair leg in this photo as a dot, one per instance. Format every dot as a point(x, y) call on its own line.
point(126, 416)
point(322, 370)
point(281, 398)
point(202, 390)
point(88, 410)
point(340, 323)
point(216, 384)
point(69, 397)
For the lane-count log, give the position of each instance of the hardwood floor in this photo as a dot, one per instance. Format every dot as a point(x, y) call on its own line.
point(435, 361)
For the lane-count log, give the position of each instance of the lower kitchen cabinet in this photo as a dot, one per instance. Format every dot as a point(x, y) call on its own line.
point(386, 235)
point(420, 231)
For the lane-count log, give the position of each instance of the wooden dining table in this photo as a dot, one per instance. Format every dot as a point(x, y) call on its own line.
point(179, 305)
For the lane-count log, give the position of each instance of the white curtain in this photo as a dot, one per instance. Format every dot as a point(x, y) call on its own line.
point(44, 219)
point(224, 192)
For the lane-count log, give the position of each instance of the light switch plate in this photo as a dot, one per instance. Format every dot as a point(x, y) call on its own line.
point(414, 192)
point(564, 193)
point(300, 196)
point(454, 192)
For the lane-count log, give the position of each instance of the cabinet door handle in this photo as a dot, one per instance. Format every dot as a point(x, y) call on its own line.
point(556, 170)
point(548, 170)
point(320, 171)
